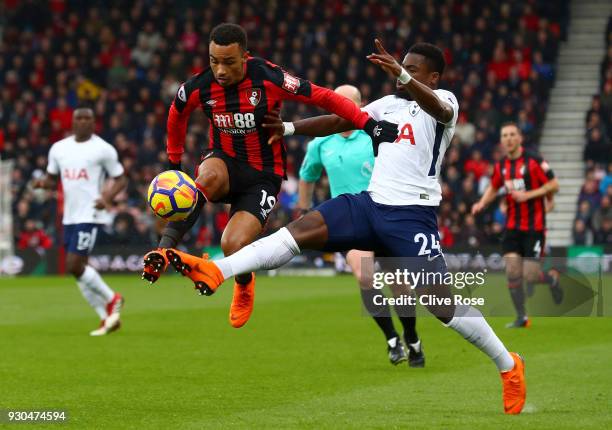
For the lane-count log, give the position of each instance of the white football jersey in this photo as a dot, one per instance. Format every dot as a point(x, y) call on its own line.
point(83, 167)
point(406, 171)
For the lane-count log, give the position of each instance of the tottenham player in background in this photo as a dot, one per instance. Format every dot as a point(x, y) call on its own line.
point(348, 159)
point(82, 162)
point(239, 167)
point(529, 182)
point(397, 215)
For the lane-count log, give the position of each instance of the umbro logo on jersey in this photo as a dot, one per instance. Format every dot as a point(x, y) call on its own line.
point(414, 109)
point(182, 95)
point(211, 102)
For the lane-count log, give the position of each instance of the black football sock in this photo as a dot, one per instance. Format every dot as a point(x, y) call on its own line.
point(175, 230)
point(515, 286)
point(410, 333)
point(243, 279)
point(407, 316)
point(380, 313)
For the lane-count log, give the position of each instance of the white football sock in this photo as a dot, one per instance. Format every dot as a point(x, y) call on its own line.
point(469, 323)
point(92, 278)
point(94, 299)
point(393, 342)
point(267, 253)
point(416, 346)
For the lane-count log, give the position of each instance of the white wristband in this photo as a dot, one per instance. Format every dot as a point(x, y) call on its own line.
point(288, 128)
point(404, 77)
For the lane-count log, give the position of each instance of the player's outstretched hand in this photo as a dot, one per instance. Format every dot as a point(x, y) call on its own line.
point(380, 131)
point(385, 60)
point(477, 208)
point(274, 123)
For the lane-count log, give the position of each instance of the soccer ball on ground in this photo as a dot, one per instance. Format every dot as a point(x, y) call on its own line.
point(172, 195)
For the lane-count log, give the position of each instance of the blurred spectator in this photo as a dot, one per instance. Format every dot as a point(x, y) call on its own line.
point(581, 234)
point(34, 237)
point(590, 193)
point(476, 165)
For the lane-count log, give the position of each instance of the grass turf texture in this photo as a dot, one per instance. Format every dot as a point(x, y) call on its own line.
point(308, 358)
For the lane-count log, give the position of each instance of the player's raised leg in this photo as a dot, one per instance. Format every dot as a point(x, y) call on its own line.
point(212, 180)
point(307, 232)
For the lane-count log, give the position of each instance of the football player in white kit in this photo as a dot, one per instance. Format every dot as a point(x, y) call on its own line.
point(395, 216)
point(83, 161)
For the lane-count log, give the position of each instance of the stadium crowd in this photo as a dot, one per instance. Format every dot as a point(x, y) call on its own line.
point(593, 222)
point(127, 59)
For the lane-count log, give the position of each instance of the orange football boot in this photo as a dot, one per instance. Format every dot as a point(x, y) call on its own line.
point(155, 263)
point(242, 303)
point(205, 274)
point(514, 386)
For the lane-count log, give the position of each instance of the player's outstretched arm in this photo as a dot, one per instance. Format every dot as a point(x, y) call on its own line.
point(295, 89)
point(422, 94)
point(317, 126)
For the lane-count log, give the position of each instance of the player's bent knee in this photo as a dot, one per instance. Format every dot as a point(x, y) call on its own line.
point(213, 179)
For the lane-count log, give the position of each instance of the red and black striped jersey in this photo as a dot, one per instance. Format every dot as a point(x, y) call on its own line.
point(237, 112)
point(527, 172)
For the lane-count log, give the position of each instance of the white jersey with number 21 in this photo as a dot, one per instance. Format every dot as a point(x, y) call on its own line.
point(406, 171)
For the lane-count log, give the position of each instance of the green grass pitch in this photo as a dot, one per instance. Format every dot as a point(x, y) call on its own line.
point(307, 359)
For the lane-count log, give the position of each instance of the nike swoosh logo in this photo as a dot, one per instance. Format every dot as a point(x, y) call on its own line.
point(430, 258)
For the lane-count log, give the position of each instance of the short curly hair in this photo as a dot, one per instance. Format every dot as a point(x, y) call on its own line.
point(227, 33)
point(433, 55)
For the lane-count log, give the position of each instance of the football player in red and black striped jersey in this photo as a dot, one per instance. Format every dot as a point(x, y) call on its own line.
point(528, 181)
point(240, 166)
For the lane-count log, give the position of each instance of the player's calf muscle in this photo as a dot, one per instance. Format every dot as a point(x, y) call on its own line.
point(309, 231)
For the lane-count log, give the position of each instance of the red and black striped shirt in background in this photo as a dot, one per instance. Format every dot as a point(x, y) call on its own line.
point(237, 112)
point(525, 173)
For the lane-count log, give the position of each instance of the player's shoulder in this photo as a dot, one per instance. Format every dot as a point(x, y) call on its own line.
point(261, 69)
point(387, 102)
point(446, 95)
point(62, 145)
point(203, 78)
point(533, 155)
point(63, 142)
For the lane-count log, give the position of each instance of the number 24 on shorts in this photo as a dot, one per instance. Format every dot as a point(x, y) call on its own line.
point(426, 247)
